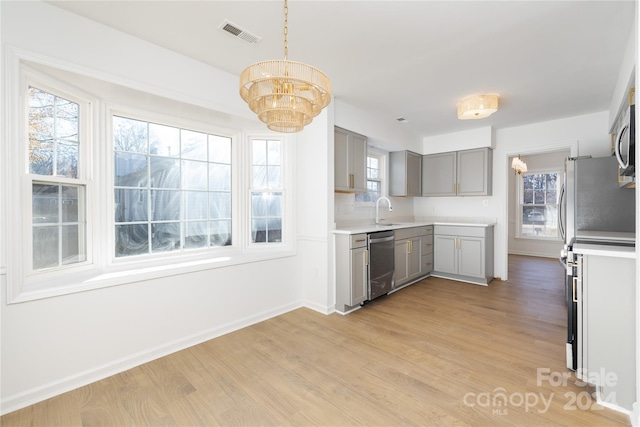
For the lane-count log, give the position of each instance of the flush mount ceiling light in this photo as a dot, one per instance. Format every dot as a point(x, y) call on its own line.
point(518, 165)
point(286, 95)
point(477, 106)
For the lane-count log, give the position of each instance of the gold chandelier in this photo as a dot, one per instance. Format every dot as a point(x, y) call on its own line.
point(477, 106)
point(286, 95)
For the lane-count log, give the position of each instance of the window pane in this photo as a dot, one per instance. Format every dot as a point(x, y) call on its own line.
point(67, 164)
point(194, 175)
point(165, 237)
point(274, 155)
point(41, 112)
point(45, 247)
point(220, 232)
point(258, 230)
point(40, 155)
point(196, 235)
point(219, 149)
point(274, 205)
point(70, 204)
point(196, 204)
point(258, 204)
point(164, 140)
point(67, 114)
point(259, 152)
point(131, 205)
point(165, 172)
point(45, 203)
point(165, 205)
point(130, 135)
point(259, 176)
point(274, 177)
point(274, 230)
point(219, 177)
point(70, 244)
point(132, 239)
point(220, 205)
point(194, 145)
point(53, 134)
point(130, 170)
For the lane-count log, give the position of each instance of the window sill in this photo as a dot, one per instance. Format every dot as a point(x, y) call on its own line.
point(83, 280)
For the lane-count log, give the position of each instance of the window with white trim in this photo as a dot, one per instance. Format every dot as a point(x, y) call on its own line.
point(56, 174)
point(267, 191)
point(538, 205)
point(172, 188)
point(133, 189)
point(375, 178)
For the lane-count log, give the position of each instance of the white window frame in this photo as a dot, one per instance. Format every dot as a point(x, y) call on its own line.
point(382, 157)
point(520, 205)
point(102, 269)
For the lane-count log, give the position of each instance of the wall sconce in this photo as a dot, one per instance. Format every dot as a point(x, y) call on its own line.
point(518, 165)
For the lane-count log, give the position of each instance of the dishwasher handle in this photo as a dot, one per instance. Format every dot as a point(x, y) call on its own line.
point(381, 239)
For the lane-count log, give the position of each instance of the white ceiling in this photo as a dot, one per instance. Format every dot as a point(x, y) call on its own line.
point(411, 59)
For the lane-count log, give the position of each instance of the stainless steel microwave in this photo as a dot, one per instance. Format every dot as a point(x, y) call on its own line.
point(625, 144)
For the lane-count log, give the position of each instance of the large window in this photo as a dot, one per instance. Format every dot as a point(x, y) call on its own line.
point(131, 189)
point(538, 205)
point(58, 220)
point(375, 176)
point(266, 191)
point(172, 188)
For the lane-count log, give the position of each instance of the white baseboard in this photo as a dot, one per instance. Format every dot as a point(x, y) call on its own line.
point(319, 307)
point(46, 391)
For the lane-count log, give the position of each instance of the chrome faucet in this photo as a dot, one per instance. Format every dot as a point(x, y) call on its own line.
point(378, 208)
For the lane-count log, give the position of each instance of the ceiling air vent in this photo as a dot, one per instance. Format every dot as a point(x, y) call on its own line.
point(235, 31)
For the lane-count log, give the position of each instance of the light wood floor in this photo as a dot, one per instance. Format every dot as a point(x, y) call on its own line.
point(435, 353)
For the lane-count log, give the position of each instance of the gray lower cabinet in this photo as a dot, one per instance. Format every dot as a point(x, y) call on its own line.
point(411, 260)
point(352, 259)
point(463, 253)
point(606, 330)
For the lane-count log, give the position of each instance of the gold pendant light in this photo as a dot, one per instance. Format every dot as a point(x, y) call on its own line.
point(286, 95)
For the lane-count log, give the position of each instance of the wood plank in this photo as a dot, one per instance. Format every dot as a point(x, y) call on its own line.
point(438, 352)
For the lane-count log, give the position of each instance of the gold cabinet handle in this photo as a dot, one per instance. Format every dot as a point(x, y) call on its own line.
point(366, 257)
point(575, 296)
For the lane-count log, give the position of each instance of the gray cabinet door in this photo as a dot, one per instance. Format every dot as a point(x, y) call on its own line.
point(401, 267)
point(474, 170)
point(445, 254)
point(439, 174)
point(359, 291)
point(359, 163)
point(414, 258)
point(405, 174)
point(472, 257)
point(350, 162)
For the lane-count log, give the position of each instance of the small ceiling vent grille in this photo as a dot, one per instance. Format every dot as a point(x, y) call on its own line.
point(235, 31)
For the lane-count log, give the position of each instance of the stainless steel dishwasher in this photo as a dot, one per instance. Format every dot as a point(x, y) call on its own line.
point(381, 263)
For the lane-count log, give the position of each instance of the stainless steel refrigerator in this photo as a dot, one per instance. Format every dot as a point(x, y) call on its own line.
point(593, 210)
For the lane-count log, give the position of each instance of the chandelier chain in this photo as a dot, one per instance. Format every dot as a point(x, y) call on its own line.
point(286, 30)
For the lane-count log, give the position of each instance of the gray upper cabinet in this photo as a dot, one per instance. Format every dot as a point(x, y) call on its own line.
point(405, 171)
point(439, 174)
point(474, 171)
point(458, 173)
point(350, 153)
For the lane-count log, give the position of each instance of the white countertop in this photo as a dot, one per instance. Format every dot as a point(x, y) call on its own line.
point(369, 228)
point(604, 250)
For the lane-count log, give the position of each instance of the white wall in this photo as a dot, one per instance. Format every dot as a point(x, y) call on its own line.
point(52, 345)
